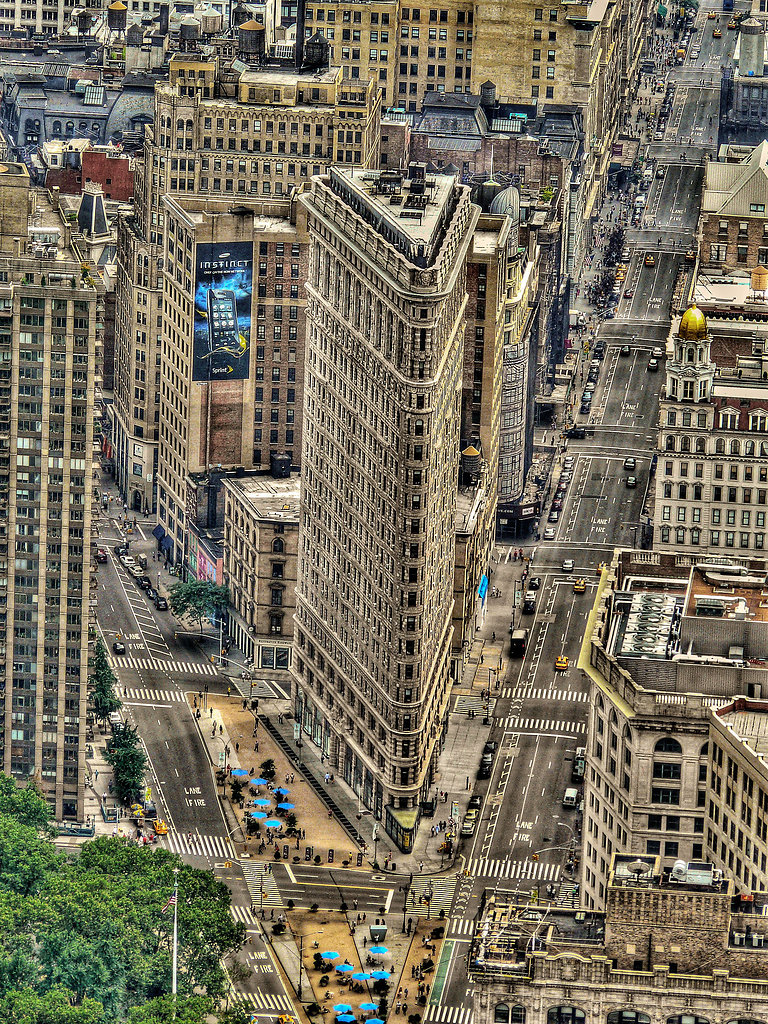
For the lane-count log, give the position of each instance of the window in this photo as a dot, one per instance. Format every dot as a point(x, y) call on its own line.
point(671, 849)
point(565, 1015)
point(668, 745)
point(666, 770)
point(503, 1013)
point(687, 1018)
point(661, 795)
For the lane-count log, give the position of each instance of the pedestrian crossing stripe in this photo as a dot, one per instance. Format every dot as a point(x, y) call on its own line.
point(473, 702)
point(197, 845)
point(561, 696)
point(242, 914)
point(568, 895)
point(132, 694)
point(448, 1014)
point(165, 665)
point(262, 887)
point(461, 928)
point(263, 1001)
point(542, 725)
point(534, 869)
point(443, 890)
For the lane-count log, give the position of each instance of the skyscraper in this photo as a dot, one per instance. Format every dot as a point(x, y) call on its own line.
point(384, 351)
point(50, 313)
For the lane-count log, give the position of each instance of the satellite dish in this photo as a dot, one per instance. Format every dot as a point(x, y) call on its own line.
point(638, 867)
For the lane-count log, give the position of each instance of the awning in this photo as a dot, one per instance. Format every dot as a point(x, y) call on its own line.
point(166, 543)
point(661, 10)
point(482, 590)
point(158, 533)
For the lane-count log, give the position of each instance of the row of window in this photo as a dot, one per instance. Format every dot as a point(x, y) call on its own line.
point(506, 1013)
point(716, 539)
point(747, 472)
point(715, 516)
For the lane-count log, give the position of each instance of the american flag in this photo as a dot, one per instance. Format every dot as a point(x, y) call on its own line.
point(171, 903)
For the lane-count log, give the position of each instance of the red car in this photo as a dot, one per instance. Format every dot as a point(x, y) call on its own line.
point(101, 555)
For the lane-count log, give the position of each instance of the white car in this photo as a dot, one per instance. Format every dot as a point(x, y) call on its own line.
point(568, 565)
point(127, 561)
point(136, 571)
point(549, 533)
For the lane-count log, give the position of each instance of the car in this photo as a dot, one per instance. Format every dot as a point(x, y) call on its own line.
point(151, 593)
point(653, 364)
point(576, 432)
point(483, 772)
point(468, 827)
point(599, 349)
point(136, 571)
point(630, 463)
point(561, 663)
point(120, 549)
point(557, 505)
point(620, 275)
point(602, 567)
point(624, 350)
point(144, 582)
point(553, 517)
point(592, 377)
point(628, 293)
point(657, 352)
point(610, 314)
point(580, 586)
point(471, 814)
point(690, 256)
point(101, 554)
point(476, 800)
point(732, 25)
point(711, 15)
point(650, 260)
point(568, 462)
point(534, 582)
point(626, 256)
point(126, 561)
point(118, 647)
point(658, 136)
point(161, 604)
point(490, 747)
point(584, 408)
point(160, 827)
point(565, 476)
point(631, 481)
point(549, 533)
point(717, 34)
point(568, 564)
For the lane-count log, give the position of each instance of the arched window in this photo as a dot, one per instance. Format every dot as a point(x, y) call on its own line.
point(56, 127)
point(599, 704)
point(704, 752)
point(277, 545)
point(720, 446)
point(749, 448)
point(189, 125)
point(680, 535)
point(179, 125)
point(764, 449)
point(612, 718)
point(669, 444)
point(70, 127)
point(627, 734)
point(745, 1020)
point(665, 535)
point(701, 445)
point(82, 126)
point(628, 1017)
point(685, 444)
point(565, 1015)
point(683, 490)
point(501, 1013)
point(668, 745)
point(735, 447)
point(687, 1018)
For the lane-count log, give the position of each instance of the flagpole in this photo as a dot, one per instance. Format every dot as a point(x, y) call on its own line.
point(175, 934)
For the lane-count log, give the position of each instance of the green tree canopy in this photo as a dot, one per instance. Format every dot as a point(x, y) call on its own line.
point(129, 762)
point(103, 681)
point(199, 598)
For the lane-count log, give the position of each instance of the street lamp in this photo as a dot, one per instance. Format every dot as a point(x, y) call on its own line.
point(301, 958)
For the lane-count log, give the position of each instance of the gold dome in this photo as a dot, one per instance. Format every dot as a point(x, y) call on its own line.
point(693, 325)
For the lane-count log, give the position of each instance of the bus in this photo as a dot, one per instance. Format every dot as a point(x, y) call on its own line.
point(518, 642)
point(727, 5)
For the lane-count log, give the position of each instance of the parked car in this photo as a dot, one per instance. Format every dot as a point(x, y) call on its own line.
point(101, 554)
point(475, 801)
point(549, 533)
point(161, 604)
point(576, 432)
point(534, 582)
point(127, 561)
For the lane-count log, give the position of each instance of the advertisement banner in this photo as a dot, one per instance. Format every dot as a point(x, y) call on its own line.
point(223, 289)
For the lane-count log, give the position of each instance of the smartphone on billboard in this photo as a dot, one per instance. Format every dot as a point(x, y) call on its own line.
point(222, 319)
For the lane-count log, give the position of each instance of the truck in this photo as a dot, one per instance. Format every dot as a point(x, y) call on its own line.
point(518, 641)
point(579, 764)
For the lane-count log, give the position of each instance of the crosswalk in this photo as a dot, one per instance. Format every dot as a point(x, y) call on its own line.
point(516, 724)
point(568, 895)
point(263, 1001)
point(461, 927)
point(448, 1014)
point(442, 889)
point(189, 668)
point(559, 696)
point(473, 702)
point(537, 870)
point(141, 695)
point(262, 887)
point(199, 846)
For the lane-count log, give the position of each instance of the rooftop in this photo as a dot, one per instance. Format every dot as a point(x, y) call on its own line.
point(747, 720)
point(268, 497)
point(411, 209)
point(727, 592)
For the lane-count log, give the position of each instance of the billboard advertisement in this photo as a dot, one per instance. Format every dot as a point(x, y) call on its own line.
point(223, 289)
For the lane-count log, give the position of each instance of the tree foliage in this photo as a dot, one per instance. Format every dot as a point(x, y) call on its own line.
point(103, 680)
point(199, 598)
point(84, 940)
point(129, 762)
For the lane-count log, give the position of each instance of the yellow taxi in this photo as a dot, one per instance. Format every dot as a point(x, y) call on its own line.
point(580, 586)
point(602, 567)
point(711, 15)
point(620, 275)
point(732, 24)
point(717, 34)
point(161, 829)
point(561, 663)
point(650, 260)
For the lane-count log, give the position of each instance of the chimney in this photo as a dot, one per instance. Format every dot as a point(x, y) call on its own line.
point(299, 48)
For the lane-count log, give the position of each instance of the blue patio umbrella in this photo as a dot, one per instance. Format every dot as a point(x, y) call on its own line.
point(343, 968)
point(368, 1007)
point(258, 815)
point(238, 772)
point(262, 803)
point(361, 976)
point(379, 950)
point(286, 806)
point(342, 1007)
point(273, 823)
point(380, 975)
point(331, 954)
point(374, 1020)
point(347, 1018)
point(281, 791)
point(258, 782)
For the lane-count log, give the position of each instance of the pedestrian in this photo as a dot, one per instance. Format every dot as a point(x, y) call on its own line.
point(256, 746)
point(237, 748)
point(229, 690)
point(421, 865)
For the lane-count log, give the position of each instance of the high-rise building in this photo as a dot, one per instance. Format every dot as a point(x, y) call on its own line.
point(380, 461)
point(223, 132)
point(51, 314)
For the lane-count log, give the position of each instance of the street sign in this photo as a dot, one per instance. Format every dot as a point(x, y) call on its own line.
point(454, 808)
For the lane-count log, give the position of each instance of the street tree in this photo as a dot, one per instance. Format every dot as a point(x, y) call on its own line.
point(199, 598)
point(129, 762)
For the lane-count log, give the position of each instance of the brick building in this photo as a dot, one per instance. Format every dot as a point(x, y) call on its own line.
point(733, 228)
